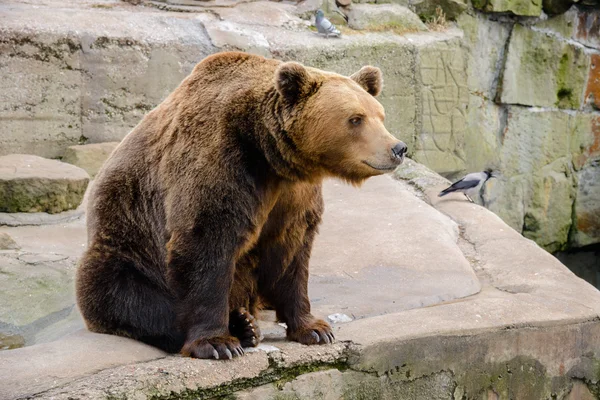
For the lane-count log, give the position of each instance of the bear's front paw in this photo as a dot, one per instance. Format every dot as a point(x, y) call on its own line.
point(219, 347)
point(315, 332)
point(243, 326)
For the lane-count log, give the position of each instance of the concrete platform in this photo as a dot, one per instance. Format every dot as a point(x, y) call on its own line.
point(445, 299)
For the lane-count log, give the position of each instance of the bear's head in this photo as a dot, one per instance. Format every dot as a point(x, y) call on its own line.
point(335, 122)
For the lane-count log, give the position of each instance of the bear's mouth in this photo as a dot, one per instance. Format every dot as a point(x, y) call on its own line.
point(387, 168)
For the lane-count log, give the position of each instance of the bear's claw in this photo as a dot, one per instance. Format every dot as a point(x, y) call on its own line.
point(221, 347)
point(243, 326)
point(316, 332)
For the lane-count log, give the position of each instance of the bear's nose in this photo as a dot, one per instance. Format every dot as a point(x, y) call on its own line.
point(399, 150)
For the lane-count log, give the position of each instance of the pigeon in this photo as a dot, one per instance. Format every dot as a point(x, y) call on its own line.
point(324, 26)
point(469, 184)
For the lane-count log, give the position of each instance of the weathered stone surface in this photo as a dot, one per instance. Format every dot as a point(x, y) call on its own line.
point(482, 144)
point(588, 27)
point(578, 24)
point(546, 176)
point(7, 243)
point(592, 91)
point(334, 384)
point(585, 139)
point(31, 184)
point(376, 275)
point(34, 289)
point(9, 342)
point(530, 8)
point(563, 25)
point(485, 41)
point(89, 157)
point(535, 192)
point(426, 9)
point(542, 70)
point(585, 150)
point(580, 391)
point(444, 95)
point(384, 17)
point(587, 205)
point(548, 217)
point(87, 74)
point(87, 353)
point(40, 218)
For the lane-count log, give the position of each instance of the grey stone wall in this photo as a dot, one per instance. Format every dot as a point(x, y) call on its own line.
point(533, 116)
point(88, 77)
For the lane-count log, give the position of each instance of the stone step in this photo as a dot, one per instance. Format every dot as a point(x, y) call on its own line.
point(89, 157)
point(34, 184)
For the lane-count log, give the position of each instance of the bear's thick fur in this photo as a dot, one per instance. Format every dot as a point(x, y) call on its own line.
point(209, 207)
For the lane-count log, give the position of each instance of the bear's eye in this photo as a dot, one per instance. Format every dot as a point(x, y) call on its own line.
point(356, 121)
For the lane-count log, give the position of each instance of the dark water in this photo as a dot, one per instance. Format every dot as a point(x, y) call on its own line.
point(584, 262)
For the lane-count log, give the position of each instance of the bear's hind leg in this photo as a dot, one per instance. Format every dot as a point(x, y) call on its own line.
point(116, 298)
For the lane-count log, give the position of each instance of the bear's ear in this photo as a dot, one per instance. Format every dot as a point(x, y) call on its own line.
point(370, 78)
point(292, 81)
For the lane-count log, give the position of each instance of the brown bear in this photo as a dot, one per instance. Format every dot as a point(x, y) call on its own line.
point(208, 209)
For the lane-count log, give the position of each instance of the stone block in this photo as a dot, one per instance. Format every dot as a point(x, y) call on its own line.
point(548, 216)
point(507, 198)
point(89, 157)
point(542, 70)
point(587, 206)
point(585, 153)
point(444, 97)
point(528, 8)
point(535, 191)
point(592, 90)
point(485, 40)
point(564, 25)
point(384, 17)
point(588, 27)
point(584, 139)
point(33, 184)
point(533, 139)
point(482, 143)
point(89, 78)
point(426, 9)
point(41, 114)
point(7, 243)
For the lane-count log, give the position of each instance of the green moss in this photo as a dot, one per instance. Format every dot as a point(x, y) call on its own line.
point(480, 4)
point(519, 378)
point(564, 95)
point(274, 374)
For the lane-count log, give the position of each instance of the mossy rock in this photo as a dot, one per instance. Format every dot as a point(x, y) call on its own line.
point(379, 17)
point(35, 184)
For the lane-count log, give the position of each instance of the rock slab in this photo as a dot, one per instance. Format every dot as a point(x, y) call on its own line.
point(34, 184)
point(544, 71)
point(7, 243)
point(89, 157)
point(384, 16)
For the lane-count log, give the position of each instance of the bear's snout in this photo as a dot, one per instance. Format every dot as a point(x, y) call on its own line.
point(398, 152)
